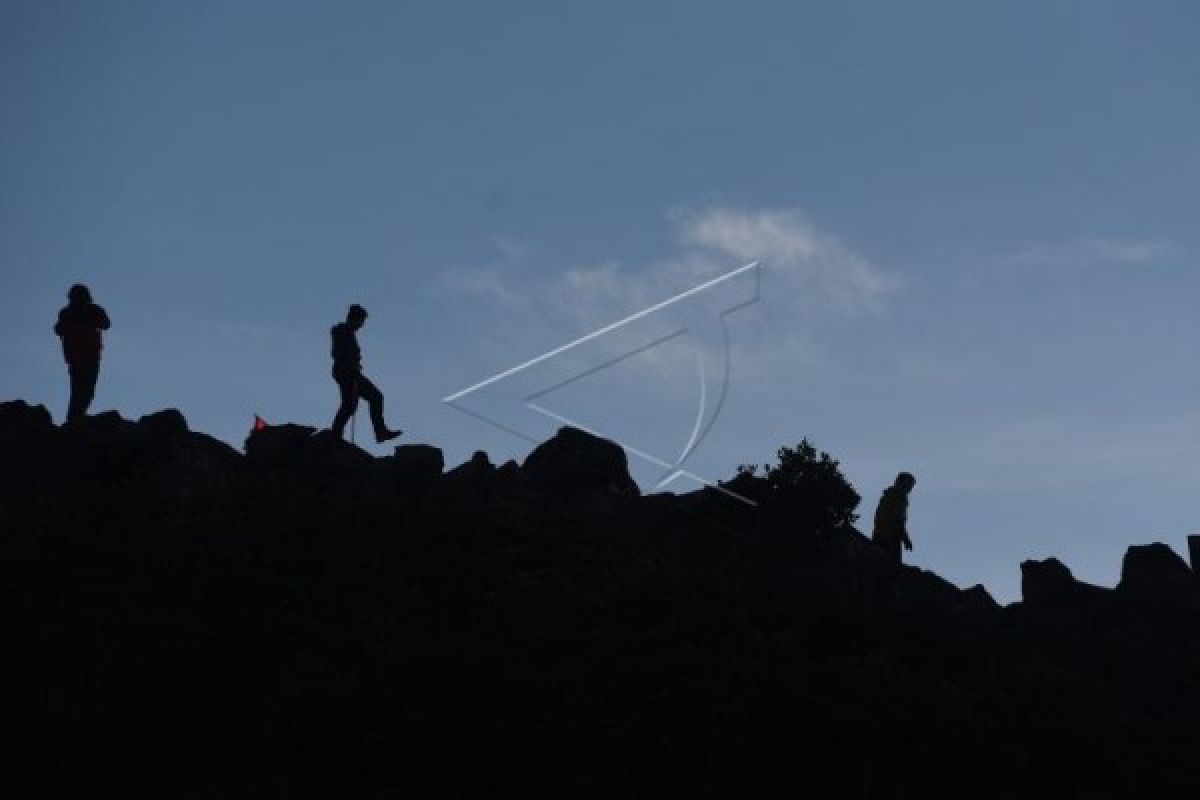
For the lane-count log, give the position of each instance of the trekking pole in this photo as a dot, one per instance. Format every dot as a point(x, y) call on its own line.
point(354, 416)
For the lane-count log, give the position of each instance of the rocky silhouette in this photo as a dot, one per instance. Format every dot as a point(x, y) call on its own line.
point(185, 620)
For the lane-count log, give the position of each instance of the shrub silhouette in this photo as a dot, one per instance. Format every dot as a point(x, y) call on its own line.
point(806, 484)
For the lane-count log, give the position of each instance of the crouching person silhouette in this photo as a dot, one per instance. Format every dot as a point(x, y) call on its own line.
point(79, 325)
point(891, 518)
point(352, 384)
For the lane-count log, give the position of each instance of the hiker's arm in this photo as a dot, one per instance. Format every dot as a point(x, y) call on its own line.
point(102, 321)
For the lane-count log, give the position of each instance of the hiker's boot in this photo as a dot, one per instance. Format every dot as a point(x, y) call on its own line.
point(386, 435)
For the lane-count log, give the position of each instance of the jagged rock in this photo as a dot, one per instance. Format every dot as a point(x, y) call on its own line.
point(276, 445)
point(977, 599)
point(275, 605)
point(326, 450)
point(475, 477)
point(169, 422)
point(478, 466)
point(291, 445)
point(851, 544)
point(1152, 564)
point(30, 447)
point(573, 460)
point(934, 589)
point(105, 422)
point(197, 467)
point(418, 462)
point(515, 484)
point(1049, 584)
point(20, 416)
point(203, 451)
point(1156, 570)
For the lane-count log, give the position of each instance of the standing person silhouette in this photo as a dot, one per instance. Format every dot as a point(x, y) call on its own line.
point(79, 326)
point(352, 384)
point(891, 518)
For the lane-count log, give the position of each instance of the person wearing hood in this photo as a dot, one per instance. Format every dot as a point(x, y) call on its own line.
point(891, 518)
point(352, 383)
point(79, 326)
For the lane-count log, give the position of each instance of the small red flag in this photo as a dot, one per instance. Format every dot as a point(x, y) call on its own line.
point(260, 424)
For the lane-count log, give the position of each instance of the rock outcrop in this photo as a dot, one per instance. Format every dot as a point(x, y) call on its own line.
point(307, 620)
point(1048, 584)
point(418, 462)
point(1155, 572)
point(574, 461)
point(18, 417)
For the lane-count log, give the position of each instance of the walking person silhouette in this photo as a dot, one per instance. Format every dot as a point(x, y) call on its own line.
point(891, 518)
point(352, 383)
point(79, 326)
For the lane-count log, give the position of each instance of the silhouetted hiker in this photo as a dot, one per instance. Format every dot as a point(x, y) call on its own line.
point(347, 371)
point(891, 517)
point(79, 325)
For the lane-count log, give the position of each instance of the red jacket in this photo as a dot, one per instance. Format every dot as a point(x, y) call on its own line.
point(80, 326)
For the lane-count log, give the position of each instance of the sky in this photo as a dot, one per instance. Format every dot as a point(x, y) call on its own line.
point(975, 225)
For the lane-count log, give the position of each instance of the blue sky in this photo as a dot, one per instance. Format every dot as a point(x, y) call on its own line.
point(976, 225)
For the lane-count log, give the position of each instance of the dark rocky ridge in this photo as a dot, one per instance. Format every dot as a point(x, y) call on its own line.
point(186, 621)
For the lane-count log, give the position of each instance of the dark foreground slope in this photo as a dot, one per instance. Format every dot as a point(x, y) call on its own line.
point(185, 621)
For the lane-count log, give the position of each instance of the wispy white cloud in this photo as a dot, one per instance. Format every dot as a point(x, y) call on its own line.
point(1127, 252)
point(485, 284)
point(500, 283)
point(788, 243)
point(511, 247)
point(808, 277)
point(1091, 250)
point(783, 235)
point(804, 269)
point(795, 254)
point(604, 283)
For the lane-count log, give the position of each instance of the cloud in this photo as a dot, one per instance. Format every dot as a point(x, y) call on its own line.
point(510, 247)
point(1126, 252)
point(604, 282)
point(805, 271)
point(785, 236)
point(495, 284)
point(485, 284)
point(788, 244)
point(809, 278)
point(1090, 250)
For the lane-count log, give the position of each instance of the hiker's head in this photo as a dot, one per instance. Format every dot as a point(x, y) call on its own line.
point(356, 316)
point(905, 482)
point(79, 294)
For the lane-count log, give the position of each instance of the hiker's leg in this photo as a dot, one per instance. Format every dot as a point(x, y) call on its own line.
point(74, 405)
point(346, 389)
point(370, 392)
point(83, 387)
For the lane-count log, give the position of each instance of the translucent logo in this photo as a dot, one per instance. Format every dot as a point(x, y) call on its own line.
point(513, 400)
